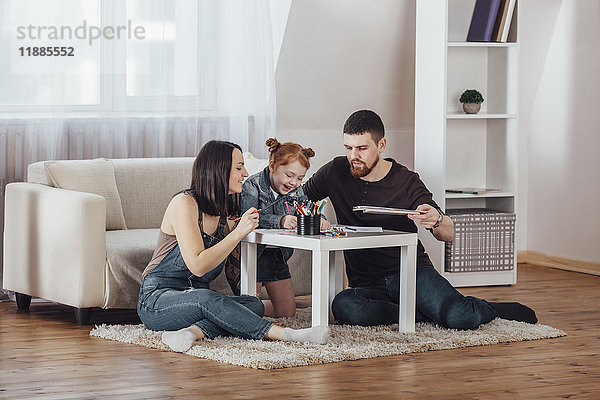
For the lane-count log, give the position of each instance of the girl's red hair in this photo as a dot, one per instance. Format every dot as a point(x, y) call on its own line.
point(287, 153)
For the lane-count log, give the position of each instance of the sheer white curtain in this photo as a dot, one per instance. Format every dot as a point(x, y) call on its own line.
point(135, 78)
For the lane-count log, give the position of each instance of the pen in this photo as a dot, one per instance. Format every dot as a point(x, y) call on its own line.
point(265, 207)
point(288, 208)
point(253, 212)
point(351, 229)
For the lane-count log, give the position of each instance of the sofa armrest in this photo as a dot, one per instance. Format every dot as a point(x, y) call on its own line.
point(54, 244)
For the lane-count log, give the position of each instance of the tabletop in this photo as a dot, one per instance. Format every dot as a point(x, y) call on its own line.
point(354, 240)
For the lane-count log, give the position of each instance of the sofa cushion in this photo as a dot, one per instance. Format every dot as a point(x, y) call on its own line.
point(128, 252)
point(253, 164)
point(90, 176)
point(37, 173)
point(147, 185)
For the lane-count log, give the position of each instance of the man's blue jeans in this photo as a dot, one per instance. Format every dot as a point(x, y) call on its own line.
point(437, 301)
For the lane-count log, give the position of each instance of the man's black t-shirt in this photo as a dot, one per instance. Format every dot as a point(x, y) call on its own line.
point(400, 188)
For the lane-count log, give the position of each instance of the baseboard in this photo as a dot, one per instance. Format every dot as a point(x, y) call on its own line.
point(569, 264)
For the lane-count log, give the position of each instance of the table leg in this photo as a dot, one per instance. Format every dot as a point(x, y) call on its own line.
point(320, 288)
point(408, 288)
point(248, 269)
point(336, 276)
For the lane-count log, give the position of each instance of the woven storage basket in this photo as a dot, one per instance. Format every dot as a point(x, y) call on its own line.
point(484, 240)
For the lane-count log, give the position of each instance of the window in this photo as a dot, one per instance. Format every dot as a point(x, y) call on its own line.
point(35, 80)
point(136, 55)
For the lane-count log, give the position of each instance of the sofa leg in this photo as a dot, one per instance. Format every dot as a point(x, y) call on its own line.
point(23, 301)
point(83, 315)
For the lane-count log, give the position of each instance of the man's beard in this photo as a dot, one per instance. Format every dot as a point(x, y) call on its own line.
point(363, 170)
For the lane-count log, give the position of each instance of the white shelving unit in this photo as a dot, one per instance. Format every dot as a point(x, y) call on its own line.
point(454, 149)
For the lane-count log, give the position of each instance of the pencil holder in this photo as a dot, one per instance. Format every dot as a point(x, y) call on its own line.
point(309, 224)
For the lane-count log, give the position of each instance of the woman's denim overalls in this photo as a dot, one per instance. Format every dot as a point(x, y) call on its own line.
point(172, 298)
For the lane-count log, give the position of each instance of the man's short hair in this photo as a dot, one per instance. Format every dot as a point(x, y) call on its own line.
point(365, 121)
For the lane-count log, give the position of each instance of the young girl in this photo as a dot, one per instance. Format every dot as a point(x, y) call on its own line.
point(196, 236)
point(277, 184)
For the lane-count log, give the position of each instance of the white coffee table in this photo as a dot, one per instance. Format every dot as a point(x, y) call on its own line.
point(328, 269)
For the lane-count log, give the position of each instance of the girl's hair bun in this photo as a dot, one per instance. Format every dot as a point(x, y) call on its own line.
point(273, 144)
point(309, 152)
point(288, 152)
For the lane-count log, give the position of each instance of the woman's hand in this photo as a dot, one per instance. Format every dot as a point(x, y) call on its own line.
point(289, 222)
point(248, 222)
point(325, 225)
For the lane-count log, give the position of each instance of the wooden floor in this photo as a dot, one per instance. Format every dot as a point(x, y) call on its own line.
point(44, 354)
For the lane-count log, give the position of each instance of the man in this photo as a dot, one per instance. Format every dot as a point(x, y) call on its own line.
point(363, 177)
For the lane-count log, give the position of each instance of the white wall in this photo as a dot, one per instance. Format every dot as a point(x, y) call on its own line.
point(342, 55)
point(560, 118)
point(339, 56)
point(534, 44)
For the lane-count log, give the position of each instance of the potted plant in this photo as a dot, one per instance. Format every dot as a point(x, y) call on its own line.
point(471, 100)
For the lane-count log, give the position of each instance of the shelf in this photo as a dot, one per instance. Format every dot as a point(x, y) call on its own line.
point(489, 69)
point(482, 44)
point(481, 115)
point(478, 196)
point(454, 149)
point(484, 278)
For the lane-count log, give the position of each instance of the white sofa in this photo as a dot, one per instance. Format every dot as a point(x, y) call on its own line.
point(65, 246)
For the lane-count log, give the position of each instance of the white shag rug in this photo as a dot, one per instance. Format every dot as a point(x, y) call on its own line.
point(346, 342)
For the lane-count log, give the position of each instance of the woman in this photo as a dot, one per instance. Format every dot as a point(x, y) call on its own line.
point(196, 236)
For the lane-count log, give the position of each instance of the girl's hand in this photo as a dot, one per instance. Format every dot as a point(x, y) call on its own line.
point(325, 225)
point(248, 222)
point(289, 222)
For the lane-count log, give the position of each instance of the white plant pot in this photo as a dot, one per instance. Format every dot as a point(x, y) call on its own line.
point(471, 108)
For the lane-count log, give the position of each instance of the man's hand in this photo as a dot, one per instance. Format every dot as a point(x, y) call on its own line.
point(444, 232)
point(428, 219)
point(289, 222)
point(325, 225)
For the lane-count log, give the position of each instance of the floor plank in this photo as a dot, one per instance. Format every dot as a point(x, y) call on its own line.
point(44, 354)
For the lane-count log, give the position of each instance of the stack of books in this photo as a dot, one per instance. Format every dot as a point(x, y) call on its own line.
point(491, 20)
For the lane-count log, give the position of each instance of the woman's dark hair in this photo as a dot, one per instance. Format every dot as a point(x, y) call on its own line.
point(210, 179)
